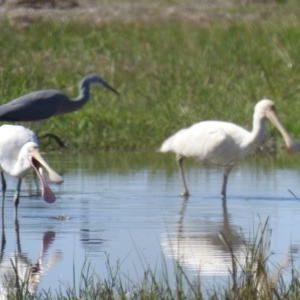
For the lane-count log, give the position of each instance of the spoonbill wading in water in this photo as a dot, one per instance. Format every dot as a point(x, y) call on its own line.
point(223, 143)
point(18, 153)
point(41, 105)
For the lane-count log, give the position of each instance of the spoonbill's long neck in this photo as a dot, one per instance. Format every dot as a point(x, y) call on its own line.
point(21, 164)
point(258, 132)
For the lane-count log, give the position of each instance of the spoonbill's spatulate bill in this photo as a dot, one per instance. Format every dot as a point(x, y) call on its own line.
point(223, 143)
point(19, 153)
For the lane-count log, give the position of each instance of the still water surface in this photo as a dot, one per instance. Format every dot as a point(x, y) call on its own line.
point(127, 209)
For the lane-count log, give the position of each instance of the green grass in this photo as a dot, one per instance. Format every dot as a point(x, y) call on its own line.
point(170, 73)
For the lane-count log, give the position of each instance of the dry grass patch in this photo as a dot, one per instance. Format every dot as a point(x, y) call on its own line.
point(203, 12)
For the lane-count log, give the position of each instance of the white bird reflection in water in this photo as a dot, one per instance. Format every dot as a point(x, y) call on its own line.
point(197, 244)
point(17, 272)
point(207, 246)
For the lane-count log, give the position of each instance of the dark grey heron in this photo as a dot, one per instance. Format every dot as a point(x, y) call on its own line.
point(41, 105)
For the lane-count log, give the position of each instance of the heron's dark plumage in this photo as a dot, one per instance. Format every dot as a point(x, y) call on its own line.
point(41, 105)
point(25, 108)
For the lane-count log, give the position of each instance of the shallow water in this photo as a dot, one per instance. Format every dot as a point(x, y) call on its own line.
point(126, 209)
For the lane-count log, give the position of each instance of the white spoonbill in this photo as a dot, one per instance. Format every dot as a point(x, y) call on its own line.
point(223, 143)
point(18, 153)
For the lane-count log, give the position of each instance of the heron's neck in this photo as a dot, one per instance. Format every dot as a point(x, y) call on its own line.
point(84, 93)
point(82, 99)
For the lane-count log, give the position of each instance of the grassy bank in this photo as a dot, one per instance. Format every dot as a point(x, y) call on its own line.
point(170, 73)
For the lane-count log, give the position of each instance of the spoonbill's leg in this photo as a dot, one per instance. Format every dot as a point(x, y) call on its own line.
point(227, 170)
point(3, 239)
point(179, 160)
point(3, 190)
point(16, 198)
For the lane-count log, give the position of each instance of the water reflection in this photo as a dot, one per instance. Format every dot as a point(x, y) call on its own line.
point(17, 269)
point(198, 244)
point(91, 239)
point(128, 207)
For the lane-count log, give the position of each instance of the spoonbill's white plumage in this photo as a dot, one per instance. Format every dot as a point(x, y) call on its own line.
point(18, 154)
point(223, 143)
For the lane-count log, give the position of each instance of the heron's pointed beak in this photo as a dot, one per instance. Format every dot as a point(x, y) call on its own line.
point(38, 162)
point(104, 84)
point(290, 143)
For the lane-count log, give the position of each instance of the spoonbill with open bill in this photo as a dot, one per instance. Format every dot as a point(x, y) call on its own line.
point(18, 153)
point(223, 143)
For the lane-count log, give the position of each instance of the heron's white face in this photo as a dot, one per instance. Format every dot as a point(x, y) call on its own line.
point(101, 82)
point(97, 80)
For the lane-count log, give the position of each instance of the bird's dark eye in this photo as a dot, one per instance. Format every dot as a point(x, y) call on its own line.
point(271, 108)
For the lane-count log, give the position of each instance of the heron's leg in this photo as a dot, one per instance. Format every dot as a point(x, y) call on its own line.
point(3, 191)
point(179, 159)
point(55, 137)
point(227, 170)
point(16, 198)
point(40, 123)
